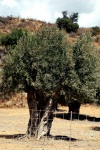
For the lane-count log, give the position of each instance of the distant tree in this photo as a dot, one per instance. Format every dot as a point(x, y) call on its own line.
point(12, 38)
point(74, 17)
point(68, 23)
point(65, 14)
point(95, 30)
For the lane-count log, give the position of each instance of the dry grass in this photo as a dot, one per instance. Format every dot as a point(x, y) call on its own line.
point(7, 24)
point(85, 135)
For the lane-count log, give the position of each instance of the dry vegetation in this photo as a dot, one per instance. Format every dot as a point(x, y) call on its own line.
point(85, 134)
point(10, 23)
point(7, 24)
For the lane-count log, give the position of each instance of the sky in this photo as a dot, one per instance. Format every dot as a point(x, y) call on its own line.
point(50, 10)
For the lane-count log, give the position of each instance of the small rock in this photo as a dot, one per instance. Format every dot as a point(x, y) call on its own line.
point(9, 103)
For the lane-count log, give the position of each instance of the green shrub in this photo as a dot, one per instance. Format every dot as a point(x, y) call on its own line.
point(12, 38)
point(95, 31)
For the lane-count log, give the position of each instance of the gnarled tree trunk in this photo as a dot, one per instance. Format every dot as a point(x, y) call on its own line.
point(41, 114)
point(33, 120)
point(46, 121)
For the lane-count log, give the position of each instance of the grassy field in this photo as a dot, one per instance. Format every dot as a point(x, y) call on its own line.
point(80, 134)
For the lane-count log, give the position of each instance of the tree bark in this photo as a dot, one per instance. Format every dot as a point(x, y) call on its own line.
point(74, 106)
point(41, 114)
point(46, 121)
point(33, 120)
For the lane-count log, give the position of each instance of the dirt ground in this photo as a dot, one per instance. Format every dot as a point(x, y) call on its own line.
point(80, 134)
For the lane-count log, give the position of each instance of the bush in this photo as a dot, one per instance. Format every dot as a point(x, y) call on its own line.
point(95, 31)
point(12, 38)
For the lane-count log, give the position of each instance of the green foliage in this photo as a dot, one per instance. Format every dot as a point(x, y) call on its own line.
point(1, 36)
point(45, 61)
point(12, 38)
point(83, 76)
point(37, 61)
point(87, 67)
point(69, 24)
point(95, 31)
point(74, 17)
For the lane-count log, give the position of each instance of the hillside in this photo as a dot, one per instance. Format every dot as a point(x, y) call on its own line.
point(9, 23)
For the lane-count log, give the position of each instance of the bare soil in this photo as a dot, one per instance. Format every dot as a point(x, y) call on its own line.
point(82, 133)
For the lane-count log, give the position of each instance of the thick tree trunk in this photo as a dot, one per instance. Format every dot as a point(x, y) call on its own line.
point(46, 121)
point(41, 114)
point(74, 107)
point(33, 120)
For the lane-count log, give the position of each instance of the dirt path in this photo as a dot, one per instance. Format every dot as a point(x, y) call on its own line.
point(81, 134)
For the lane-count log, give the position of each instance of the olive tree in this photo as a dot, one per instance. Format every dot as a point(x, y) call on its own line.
point(87, 68)
point(87, 65)
point(37, 65)
point(46, 67)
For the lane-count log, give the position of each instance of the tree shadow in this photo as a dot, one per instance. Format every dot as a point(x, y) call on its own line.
point(64, 138)
point(57, 137)
point(96, 128)
point(60, 110)
point(81, 117)
point(12, 136)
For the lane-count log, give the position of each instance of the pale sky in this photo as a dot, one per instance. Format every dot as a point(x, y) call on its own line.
point(50, 10)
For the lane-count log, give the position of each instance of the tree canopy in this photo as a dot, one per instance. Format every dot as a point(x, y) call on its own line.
point(46, 67)
point(38, 61)
point(83, 76)
point(87, 66)
point(68, 23)
point(95, 31)
point(47, 62)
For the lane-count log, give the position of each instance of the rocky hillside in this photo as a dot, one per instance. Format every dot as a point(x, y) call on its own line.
point(9, 23)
